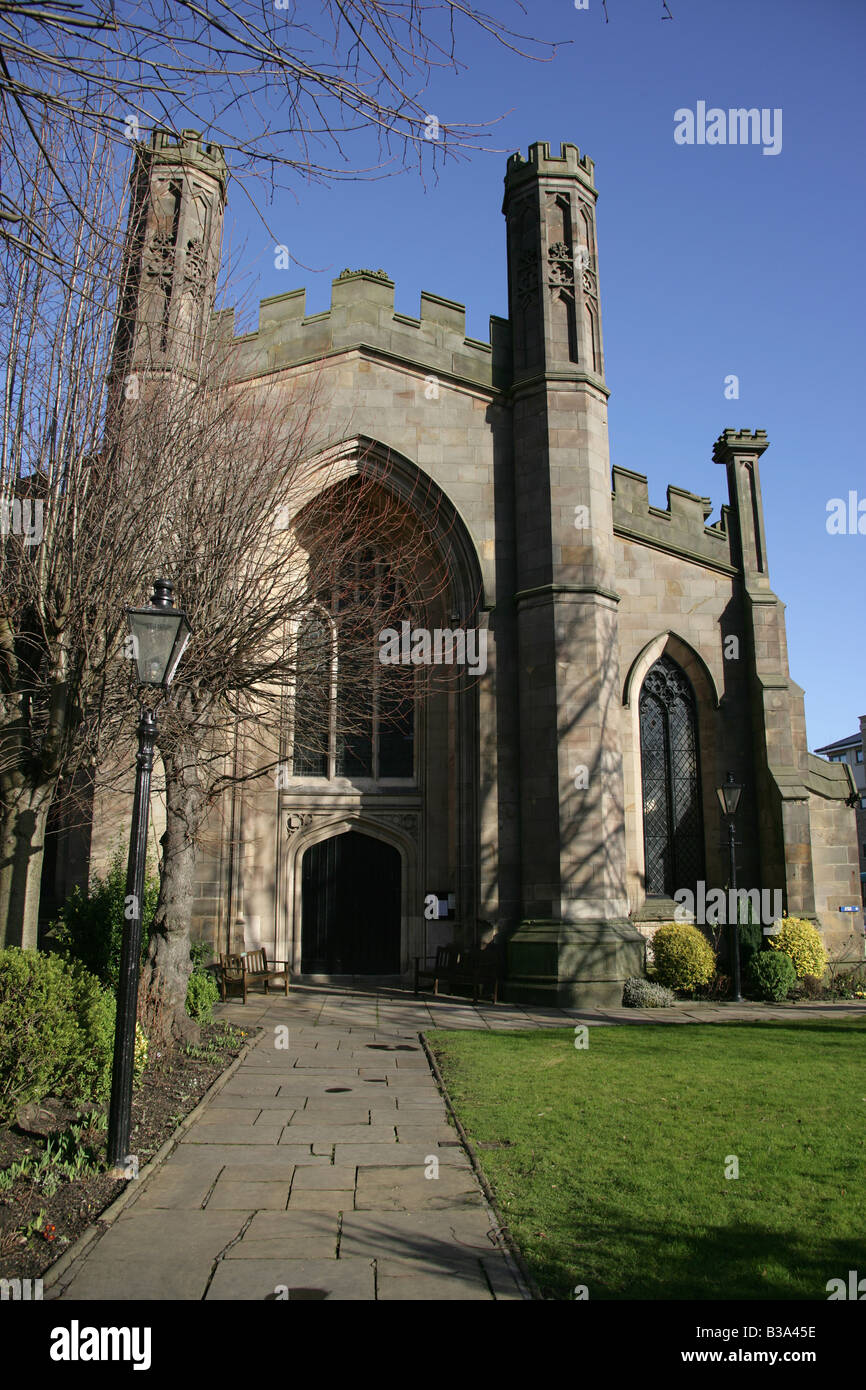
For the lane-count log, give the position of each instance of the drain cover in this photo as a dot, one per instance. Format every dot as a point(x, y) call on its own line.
point(375, 1080)
point(331, 1089)
point(392, 1047)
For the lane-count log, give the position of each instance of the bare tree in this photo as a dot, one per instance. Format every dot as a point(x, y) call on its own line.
point(76, 513)
point(285, 88)
point(266, 525)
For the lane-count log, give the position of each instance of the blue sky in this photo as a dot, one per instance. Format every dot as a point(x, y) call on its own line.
point(714, 260)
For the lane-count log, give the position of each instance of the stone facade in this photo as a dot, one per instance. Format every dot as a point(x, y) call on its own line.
point(527, 803)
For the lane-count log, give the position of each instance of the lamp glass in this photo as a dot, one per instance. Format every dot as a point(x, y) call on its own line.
point(160, 636)
point(729, 796)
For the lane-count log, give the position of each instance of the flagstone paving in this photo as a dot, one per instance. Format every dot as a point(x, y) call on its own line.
point(310, 1173)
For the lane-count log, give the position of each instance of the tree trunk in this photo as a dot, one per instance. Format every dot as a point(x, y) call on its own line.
point(22, 845)
point(162, 998)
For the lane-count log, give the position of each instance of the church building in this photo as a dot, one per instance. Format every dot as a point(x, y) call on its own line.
point(552, 800)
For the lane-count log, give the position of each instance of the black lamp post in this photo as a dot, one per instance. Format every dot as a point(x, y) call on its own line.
point(729, 798)
point(159, 634)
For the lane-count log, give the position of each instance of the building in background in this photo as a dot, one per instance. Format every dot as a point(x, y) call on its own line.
point(851, 751)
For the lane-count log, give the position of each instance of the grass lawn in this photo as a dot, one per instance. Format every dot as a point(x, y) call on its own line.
point(614, 1172)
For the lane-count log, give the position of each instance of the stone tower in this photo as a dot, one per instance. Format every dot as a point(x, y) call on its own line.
point(174, 239)
point(575, 941)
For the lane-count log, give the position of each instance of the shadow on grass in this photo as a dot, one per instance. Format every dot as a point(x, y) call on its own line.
point(615, 1258)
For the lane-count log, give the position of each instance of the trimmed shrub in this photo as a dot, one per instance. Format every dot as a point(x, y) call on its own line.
point(645, 994)
point(684, 959)
point(89, 927)
point(56, 1030)
point(800, 940)
point(771, 975)
point(751, 941)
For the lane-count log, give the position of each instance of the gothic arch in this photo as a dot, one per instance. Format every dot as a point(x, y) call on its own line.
point(706, 694)
point(470, 591)
point(473, 580)
point(671, 644)
point(290, 924)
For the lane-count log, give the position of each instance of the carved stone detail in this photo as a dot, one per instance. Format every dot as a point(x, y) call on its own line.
point(159, 259)
point(560, 270)
point(194, 274)
point(298, 820)
point(527, 278)
point(377, 274)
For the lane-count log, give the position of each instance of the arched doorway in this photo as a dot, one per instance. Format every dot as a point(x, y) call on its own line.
point(350, 907)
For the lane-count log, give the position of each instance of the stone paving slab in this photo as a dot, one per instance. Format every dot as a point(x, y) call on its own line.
point(302, 1280)
point(329, 1199)
point(408, 1189)
point(397, 1155)
point(293, 1225)
point(399, 1285)
point(234, 1134)
point(342, 1134)
point(155, 1255)
point(221, 1115)
point(434, 1237)
point(250, 1196)
point(182, 1188)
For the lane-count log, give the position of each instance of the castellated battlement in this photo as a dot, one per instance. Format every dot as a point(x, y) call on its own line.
point(188, 148)
point(681, 528)
point(362, 315)
point(541, 163)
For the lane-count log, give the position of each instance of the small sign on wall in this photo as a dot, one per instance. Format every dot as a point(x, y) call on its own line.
point(440, 906)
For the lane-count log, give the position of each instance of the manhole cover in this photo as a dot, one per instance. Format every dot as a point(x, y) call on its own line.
point(331, 1089)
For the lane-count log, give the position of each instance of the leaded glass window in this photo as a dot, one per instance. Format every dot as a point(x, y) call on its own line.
point(354, 716)
point(673, 828)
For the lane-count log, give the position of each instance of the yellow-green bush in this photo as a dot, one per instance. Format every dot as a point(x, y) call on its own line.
point(683, 957)
point(801, 941)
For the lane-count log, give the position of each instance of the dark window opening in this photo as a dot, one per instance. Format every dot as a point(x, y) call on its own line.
point(673, 827)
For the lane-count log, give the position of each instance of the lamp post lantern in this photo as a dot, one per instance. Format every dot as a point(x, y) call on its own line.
point(729, 798)
point(159, 635)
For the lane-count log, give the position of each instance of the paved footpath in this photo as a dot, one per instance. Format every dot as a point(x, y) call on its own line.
point(304, 1176)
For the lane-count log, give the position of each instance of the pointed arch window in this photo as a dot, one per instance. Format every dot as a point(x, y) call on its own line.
point(672, 821)
point(353, 717)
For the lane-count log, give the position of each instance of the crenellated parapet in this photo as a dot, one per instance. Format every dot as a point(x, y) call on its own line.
point(542, 164)
point(189, 149)
point(680, 528)
point(362, 316)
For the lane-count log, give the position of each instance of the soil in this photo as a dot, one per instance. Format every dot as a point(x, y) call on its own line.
point(37, 1227)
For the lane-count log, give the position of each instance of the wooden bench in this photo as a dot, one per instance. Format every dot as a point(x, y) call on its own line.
point(249, 969)
point(461, 970)
point(442, 971)
point(479, 973)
